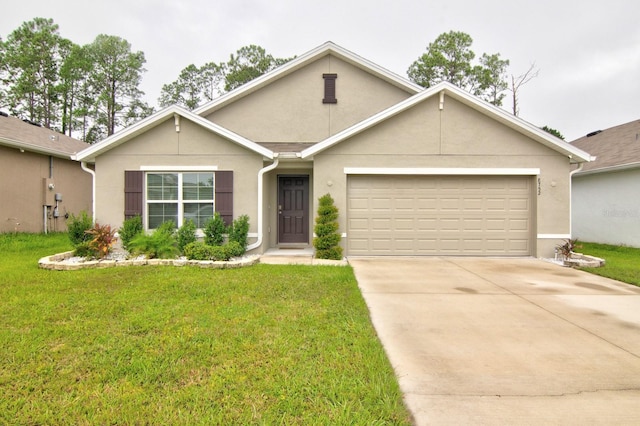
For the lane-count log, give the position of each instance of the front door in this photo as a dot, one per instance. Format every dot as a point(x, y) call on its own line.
point(293, 209)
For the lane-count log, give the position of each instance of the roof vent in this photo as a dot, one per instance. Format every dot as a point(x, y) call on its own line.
point(4, 114)
point(593, 133)
point(54, 137)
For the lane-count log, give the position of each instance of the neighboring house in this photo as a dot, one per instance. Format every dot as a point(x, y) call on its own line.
point(606, 192)
point(35, 169)
point(413, 171)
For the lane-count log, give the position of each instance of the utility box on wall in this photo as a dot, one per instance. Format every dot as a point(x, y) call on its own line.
point(49, 192)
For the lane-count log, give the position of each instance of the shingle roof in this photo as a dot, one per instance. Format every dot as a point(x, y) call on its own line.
point(19, 134)
point(616, 147)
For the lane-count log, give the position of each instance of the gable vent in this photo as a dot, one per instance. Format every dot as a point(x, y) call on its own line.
point(329, 89)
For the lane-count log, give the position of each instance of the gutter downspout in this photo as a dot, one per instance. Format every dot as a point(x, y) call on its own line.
point(573, 172)
point(83, 166)
point(261, 173)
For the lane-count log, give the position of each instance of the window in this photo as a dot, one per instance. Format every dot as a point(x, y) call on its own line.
point(180, 196)
point(329, 89)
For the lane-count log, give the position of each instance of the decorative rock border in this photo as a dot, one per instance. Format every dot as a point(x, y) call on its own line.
point(580, 260)
point(59, 262)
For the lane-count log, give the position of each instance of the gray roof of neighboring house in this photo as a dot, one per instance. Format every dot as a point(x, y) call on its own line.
point(616, 148)
point(18, 134)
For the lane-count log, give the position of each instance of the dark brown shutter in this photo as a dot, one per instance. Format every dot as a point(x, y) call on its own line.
point(329, 88)
point(224, 195)
point(133, 186)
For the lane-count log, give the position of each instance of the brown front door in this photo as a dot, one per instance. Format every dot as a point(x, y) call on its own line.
point(293, 209)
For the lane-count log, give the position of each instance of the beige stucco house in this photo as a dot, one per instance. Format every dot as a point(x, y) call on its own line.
point(413, 171)
point(40, 183)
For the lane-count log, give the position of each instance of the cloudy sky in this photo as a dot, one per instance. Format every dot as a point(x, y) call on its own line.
point(587, 52)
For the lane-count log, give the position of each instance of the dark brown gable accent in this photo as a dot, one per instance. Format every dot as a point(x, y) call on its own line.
point(133, 187)
point(224, 195)
point(329, 89)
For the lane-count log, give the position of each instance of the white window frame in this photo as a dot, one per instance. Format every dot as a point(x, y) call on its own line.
point(180, 201)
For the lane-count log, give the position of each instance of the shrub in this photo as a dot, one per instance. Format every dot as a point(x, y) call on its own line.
point(201, 251)
point(130, 228)
point(186, 234)
point(214, 230)
point(239, 231)
point(77, 227)
point(167, 227)
point(327, 238)
point(198, 250)
point(219, 253)
point(234, 249)
point(102, 239)
point(160, 244)
point(84, 249)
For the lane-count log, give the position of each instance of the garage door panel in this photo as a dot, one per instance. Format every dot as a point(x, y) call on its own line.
point(431, 215)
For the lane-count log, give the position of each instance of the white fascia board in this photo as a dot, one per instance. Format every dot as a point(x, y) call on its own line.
point(301, 61)
point(610, 169)
point(35, 148)
point(155, 119)
point(456, 171)
point(553, 236)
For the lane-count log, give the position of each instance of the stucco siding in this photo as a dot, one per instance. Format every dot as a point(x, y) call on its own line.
point(606, 207)
point(291, 109)
point(23, 190)
point(163, 147)
point(457, 137)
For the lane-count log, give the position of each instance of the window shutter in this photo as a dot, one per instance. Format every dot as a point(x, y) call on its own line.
point(133, 186)
point(224, 195)
point(329, 89)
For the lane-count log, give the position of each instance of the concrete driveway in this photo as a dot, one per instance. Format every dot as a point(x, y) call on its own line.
point(506, 341)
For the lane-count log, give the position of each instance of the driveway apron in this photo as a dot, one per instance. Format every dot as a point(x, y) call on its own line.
point(506, 341)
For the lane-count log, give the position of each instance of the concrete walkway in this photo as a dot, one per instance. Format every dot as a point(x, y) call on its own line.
point(506, 341)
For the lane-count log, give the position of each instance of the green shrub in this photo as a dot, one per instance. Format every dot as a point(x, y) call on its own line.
point(327, 238)
point(130, 228)
point(201, 251)
point(239, 231)
point(160, 244)
point(186, 234)
point(219, 253)
point(77, 227)
point(198, 250)
point(234, 249)
point(84, 249)
point(167, 227)
point(214, 230)
point(102, 239)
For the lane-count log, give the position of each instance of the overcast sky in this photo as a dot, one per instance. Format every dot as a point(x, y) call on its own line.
point(588, 52)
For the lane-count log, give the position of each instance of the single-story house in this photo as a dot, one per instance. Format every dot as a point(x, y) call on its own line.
point(413, 171)
point(606, 201)
point(41, 184)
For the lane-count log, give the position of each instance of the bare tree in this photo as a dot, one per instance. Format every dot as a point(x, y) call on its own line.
point(519, 81)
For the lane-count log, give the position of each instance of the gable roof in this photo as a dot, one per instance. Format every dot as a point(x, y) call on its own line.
point(575, 154)
point(328, 48)
point(19, 134)
point(153, 120)
point(616, 148)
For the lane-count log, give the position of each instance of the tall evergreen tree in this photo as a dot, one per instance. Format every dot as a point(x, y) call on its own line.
point(32, 56)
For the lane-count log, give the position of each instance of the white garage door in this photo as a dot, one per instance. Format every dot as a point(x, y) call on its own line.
point(440, 215)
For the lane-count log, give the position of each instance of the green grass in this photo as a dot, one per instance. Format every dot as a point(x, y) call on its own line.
point(622, 263)
point(268, 344)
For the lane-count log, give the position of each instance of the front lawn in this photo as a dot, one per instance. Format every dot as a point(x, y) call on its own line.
point(622, 263)
point(268, 344)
